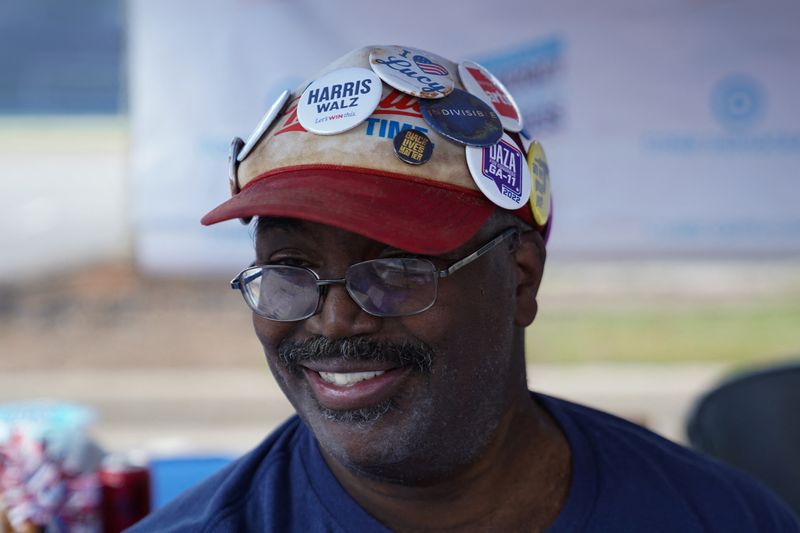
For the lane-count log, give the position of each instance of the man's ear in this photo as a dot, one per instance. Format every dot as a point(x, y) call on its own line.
point(529, 258)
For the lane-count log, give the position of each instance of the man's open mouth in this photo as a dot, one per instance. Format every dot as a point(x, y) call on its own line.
point(348, 379)
point(345, 389)
point(355, 373)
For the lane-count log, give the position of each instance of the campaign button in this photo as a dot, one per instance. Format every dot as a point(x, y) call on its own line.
point(463, 118)
point(339, 101)
point(500, 173)
point(415, 72)
point(263, 126)
point(233, 169)
point(413, 147)
point(483, 84)
point(233, 165)
point(540, 173)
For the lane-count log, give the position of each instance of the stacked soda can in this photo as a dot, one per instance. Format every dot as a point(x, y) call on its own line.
point(42, 489)
point(55, 478)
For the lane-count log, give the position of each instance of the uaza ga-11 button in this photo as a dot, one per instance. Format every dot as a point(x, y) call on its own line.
point(501, 173)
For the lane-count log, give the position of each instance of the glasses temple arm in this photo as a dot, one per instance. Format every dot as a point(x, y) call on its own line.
point(511, 232)
point(236, 282)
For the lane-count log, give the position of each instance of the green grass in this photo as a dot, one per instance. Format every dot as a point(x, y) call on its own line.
point(730, 333)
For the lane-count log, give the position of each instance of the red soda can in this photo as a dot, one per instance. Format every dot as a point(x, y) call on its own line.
point(126, 492)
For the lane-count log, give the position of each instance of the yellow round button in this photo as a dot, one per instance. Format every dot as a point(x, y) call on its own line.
point(540, 175)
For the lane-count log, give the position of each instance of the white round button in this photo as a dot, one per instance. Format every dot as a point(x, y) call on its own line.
point(339, 101)
point(415, 72)
point(483, 84)
point(501, 172)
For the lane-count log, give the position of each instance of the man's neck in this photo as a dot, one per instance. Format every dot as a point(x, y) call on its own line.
point(520, 482)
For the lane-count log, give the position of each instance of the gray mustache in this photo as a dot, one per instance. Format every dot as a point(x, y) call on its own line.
point(415, 354)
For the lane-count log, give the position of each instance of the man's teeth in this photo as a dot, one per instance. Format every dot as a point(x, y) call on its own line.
point(349, 379)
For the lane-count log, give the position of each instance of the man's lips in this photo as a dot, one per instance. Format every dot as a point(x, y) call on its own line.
point(381, 383)
point(343, 366)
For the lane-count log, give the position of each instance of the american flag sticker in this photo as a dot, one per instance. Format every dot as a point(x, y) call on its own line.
point(429, 67)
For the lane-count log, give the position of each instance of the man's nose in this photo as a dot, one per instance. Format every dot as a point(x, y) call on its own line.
point(341, 316)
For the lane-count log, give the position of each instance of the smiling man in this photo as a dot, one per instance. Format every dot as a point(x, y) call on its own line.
point(400, 244)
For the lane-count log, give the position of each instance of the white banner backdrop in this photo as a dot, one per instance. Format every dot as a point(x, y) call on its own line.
point(671, 128)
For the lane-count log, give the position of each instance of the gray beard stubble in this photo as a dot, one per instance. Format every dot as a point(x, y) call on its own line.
point(417, 355)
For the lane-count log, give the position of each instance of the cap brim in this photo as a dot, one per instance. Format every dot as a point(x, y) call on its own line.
point(408, 213)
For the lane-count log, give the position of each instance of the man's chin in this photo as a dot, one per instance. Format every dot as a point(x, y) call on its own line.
point(386, 441)
point(364, 416)
point(362, 426)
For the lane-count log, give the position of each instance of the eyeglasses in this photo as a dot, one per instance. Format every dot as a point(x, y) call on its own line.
point(390, 287)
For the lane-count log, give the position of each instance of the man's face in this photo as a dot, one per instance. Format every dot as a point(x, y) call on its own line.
point(432, 387)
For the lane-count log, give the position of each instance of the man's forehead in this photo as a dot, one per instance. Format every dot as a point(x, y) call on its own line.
point(268, 226)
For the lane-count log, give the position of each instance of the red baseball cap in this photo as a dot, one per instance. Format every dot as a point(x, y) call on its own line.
point(353, 180)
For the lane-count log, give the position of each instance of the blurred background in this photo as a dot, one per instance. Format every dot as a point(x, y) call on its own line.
point(672, 130)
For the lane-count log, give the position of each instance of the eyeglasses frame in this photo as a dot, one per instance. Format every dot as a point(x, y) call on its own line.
point(240, 281)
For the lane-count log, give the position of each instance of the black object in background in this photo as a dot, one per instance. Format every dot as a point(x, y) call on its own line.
point(752, 421)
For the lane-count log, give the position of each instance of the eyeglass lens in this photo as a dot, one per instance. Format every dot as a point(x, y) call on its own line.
point(282, 292)
point(393, 287)
point(382, 287)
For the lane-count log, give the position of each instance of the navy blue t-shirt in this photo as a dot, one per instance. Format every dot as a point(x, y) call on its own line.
point(624, 478)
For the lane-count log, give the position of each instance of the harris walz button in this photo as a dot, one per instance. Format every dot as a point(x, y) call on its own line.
point(339, 101)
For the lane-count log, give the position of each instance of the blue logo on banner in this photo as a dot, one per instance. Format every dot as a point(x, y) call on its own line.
point(737, 102)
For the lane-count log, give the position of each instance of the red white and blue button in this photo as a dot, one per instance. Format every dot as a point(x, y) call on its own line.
point(483, 84)
point(412, 71)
